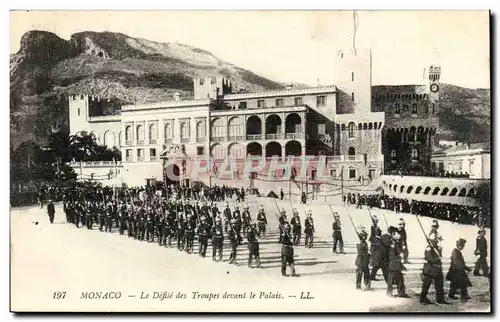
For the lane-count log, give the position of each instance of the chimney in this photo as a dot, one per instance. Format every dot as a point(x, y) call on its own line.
point(177, 97)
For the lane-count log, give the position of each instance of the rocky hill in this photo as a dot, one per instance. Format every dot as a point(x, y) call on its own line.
point(131, 70)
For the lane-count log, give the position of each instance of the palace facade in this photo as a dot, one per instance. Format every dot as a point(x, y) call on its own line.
point(363, 130)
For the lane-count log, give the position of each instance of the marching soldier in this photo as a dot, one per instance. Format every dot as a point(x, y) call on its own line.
point(109, 220)
point(395, 268)
point(246, 218)
point(457, 273)
point(262, 221)
point(237, 223)
point(253, 246)
point(433, 271)
point(51, 211)
point(378, 254)
point(227, 217)
point(281, 222)
point(296, 228)
point(189, 236)
point(337, 234)
point(122, 221)
point(233, 238)
point(482, 251)
point(362, 261)
point(217, 240)
point(287, 250)
point(168, 224)
point(130, 222)
point(203, 231)
point(309, 230)
point(150, 236)
point(374, 228)
point(404, 238)
point(89, 216)
point(180, 231)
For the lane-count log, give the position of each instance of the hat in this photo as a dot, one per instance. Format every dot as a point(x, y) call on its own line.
point(374, 218)
point(401, 221)
point(391, 230)
point(461, 242)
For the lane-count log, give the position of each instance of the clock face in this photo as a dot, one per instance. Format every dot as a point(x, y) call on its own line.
point(434, 88)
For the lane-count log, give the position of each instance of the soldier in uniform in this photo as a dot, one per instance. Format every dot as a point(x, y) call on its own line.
point(287, 250)
point(404, 240)
point(362, 261)
point(374, 228)
point(309, 230)
point(482, 251)
point(189, 236)
point(281, 222)
point(433, 271)
point(181, 226)
point(378, 254)
point(233, 238)
point(296, 227)
point(217, 240)
point(434, 229)
point(227, 217)
point(253, 245)
point(89, 216)
point(109, 220)
point(203, 230)
point(395, 267)
point(237, 223)
point(262, 221)
point(51, 211)
point(246, 218)
point(150, 236)
point(122, 221)
point(337, 234)
point(457, 274)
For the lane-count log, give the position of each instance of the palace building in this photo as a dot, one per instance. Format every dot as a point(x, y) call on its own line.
point(364, 130)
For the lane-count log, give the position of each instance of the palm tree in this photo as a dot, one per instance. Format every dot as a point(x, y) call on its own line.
point(84, 146)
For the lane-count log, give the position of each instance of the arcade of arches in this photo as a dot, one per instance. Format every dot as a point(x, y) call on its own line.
point(271, 149)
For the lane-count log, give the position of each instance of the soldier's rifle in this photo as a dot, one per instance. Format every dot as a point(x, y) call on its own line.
point(353, 225)
point(427, 237)
point(277, 217)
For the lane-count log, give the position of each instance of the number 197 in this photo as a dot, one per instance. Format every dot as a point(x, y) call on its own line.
point(59, 295)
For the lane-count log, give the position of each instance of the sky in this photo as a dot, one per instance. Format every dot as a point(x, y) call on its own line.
point(300, 46)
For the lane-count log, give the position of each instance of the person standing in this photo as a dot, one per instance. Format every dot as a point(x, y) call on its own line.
point(362, 261)
point(287, 250)
point(296, 227)
point(482, 252)
point(233, 238)
point(404, 238)
point(457, 273)
point(253, 246)
point(433, 271)
point(217, 240)
point(309, 230)
point(395, 267)
point(337, 234)
point(51, 211)
point(262, 221)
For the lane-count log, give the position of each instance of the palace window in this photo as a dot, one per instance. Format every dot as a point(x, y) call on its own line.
point(184, 131)
point(320, 101)
point(261, 103)
point(393, 154)
point(152, 132)
point(414, 153)
point(298, 101)
point(352, 96)
point(279, 102)
point(152, 154)
point(128, 133)
point(200, 150)
point(351, 151)
point(321, 129)
point(352, 173)
point(200, 130)
point(242, 105)
point(414, 109)
point(333, 173)
point(352, 76)
point(128, 154)
point(140, 133)
point(433, 108)
point(168, 132)
point(397, 109)
point(351, 129)
point(140, 154)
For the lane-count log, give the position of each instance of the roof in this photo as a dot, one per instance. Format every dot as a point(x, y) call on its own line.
point(398, 89)
point(282, 92)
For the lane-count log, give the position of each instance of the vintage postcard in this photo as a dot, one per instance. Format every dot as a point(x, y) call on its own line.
point(250, 161)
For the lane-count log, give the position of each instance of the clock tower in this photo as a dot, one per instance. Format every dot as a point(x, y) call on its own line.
point(434, 89)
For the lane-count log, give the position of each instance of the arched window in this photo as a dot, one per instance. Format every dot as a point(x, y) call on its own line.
point(414, 153)
point(152, 132)
point(200, 130)
point(453, 192)
point(351, 129)
point(397, 109)
point(410, 188)
point(427, 190)
point(370, 126)
point(436, 191)
point(168, 132)
point(140, 133)
point(445, 192)
point(128, 133)
point(184, 131)
point(351, 151)
point(417, 191)
point(360, 126)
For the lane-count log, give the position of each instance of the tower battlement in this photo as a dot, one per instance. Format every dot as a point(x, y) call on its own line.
point(211, 87)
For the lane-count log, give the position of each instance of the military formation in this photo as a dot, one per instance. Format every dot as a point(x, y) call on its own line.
point(174, 218)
